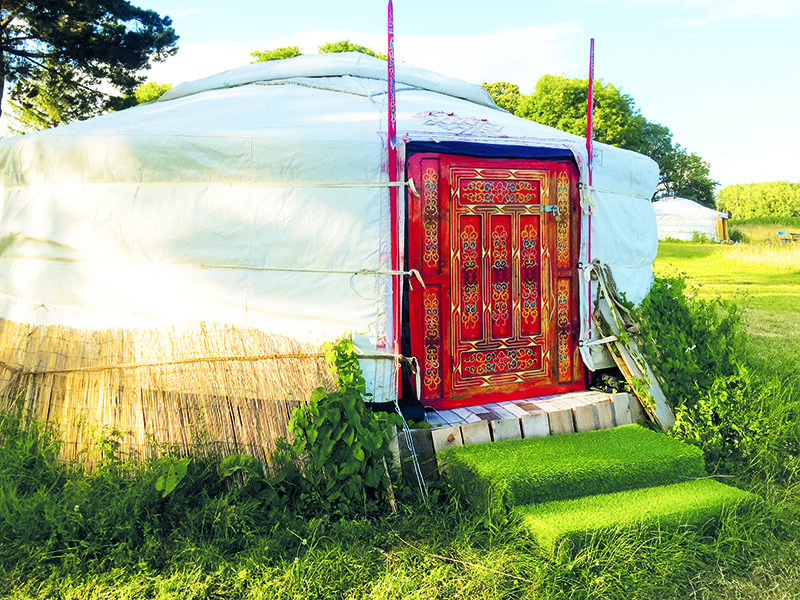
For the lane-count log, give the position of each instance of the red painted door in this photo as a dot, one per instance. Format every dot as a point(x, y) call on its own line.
point(496, 243)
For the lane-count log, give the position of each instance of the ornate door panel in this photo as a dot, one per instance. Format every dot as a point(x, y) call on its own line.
point(497, 318)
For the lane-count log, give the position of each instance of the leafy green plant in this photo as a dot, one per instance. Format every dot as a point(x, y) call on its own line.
point(342, 446)
point(747, 422)
point(701, 238)
point(688, 341)
point(172, 473)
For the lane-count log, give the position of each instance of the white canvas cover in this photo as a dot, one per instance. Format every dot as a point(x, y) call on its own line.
point(681, 218)
point(258, 198)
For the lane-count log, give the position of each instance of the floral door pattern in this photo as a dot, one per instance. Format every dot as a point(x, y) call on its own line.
point(495, 242)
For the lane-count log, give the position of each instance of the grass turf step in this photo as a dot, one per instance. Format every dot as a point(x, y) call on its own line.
point(526, 471)
point(694, 504)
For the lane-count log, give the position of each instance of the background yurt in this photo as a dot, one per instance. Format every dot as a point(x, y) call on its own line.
point(682, 219)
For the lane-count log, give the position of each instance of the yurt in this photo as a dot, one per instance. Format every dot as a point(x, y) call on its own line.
point(682, 219)
point(174, 270)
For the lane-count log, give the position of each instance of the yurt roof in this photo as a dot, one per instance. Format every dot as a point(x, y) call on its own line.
point(684, 207)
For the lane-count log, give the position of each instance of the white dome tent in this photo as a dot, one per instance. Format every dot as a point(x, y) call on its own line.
point(681, 219)
point(255, 204)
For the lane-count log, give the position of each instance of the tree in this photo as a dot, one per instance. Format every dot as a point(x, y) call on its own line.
point(49, 104)
point(70, 51)
point(686, 175)
point(506, 95)
point(681, 173)
point(561, 103)
point(276, 54)
point(348, 46)
point(150, 91)
point(776, 199)
point(50, 109)
point(329, 48)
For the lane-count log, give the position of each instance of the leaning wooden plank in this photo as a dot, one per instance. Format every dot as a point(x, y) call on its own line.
point(635, 369)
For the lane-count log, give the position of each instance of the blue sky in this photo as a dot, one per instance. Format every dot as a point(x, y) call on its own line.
point(723, 75)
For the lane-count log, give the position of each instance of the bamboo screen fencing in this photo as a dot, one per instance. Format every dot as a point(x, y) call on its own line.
point(204, 388)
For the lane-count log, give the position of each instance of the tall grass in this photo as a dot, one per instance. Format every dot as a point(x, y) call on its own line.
point(764, 229)
point(769, 256)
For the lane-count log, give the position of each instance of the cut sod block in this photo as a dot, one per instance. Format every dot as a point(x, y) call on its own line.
point(494, 477)
point(692, 504)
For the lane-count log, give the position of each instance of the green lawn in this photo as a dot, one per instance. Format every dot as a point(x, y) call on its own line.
point(763, 279)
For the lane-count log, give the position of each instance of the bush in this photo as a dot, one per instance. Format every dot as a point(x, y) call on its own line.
point(738, 236)
point(748, 422)
point(689, 342)
point(701, 238)
point(743, 415)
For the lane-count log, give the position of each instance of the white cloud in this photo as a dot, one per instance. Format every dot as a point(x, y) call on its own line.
point(194, 61)
point(520, 55)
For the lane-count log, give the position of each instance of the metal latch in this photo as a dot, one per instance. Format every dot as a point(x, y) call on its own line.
point(552, 208)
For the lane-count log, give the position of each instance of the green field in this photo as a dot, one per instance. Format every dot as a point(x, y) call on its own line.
point(764, 279)
point(114, 534)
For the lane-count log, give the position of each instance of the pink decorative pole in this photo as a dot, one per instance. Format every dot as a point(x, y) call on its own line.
point(590, 109)
point(392, 157)
point(590, 152)
point(392, 101)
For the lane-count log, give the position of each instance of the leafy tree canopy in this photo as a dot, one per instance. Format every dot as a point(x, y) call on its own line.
point(61, 58)
point(686, 175)
point(348, 46)
point(276, 54)
point(506, 95)
point(561, 103)
point(331, 47)
point(150, 91)
point(754, 200)
point(50, 109)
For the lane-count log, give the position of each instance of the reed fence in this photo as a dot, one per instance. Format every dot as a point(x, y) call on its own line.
point(203, 388)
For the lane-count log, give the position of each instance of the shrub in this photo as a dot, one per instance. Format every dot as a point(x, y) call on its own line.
point(743, 415)
point(736, 235)
point(747, 422)
point(701, 238)
point(689, 342)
